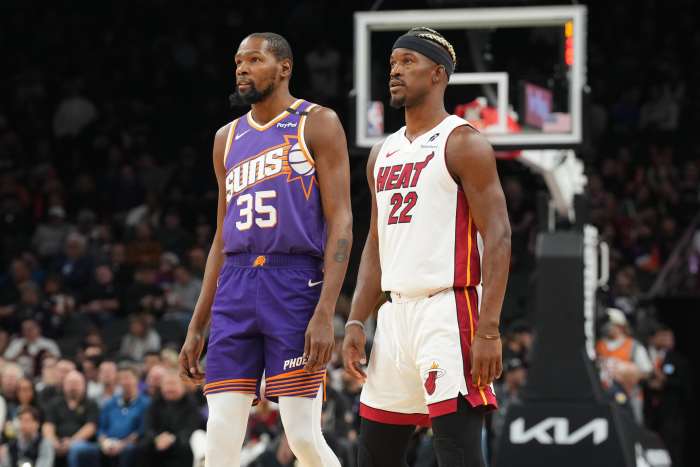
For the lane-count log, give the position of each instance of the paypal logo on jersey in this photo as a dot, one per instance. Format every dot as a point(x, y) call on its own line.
point(286, 125)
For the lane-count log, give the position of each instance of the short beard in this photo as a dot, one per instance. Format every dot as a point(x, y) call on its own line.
point(397, 102)
point(251, 97)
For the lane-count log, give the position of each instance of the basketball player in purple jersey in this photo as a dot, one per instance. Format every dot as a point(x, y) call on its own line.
point(277, 262)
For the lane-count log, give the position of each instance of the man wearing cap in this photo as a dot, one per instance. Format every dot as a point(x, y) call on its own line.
point(622, 358)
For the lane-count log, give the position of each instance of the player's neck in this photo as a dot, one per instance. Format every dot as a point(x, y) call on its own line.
point(424, 116)
point(276, 103)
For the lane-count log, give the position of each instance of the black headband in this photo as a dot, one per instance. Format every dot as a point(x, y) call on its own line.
point(430, 49)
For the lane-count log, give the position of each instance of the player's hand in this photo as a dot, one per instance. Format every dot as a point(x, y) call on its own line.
point(487, 362)
point(354, 352)
point(318, 341)
point(189, 357)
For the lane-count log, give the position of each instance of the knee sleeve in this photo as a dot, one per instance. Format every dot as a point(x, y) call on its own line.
point(383, 445)
point(301, 418)
point(457, 437)
point(226, 427)
point(301, 442)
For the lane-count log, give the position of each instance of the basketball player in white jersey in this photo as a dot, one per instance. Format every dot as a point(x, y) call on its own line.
point(438, 220)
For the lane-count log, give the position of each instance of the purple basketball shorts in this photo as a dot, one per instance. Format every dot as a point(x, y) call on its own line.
point(261, 309)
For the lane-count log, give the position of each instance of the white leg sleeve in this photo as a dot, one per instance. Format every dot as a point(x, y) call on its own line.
point(301, 418)
point(226, 427)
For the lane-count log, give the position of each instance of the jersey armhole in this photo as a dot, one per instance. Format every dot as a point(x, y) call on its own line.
point(444, 151)
point(229, 139)
point(300, 135)
point(379, 154)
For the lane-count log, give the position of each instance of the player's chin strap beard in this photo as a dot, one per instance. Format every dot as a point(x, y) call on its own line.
point(236, 99)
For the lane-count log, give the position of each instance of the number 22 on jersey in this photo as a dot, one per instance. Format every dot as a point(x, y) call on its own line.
point(397, 199)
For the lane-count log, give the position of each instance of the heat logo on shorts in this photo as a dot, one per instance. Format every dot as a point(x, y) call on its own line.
point(294, 362)
point(431, 377)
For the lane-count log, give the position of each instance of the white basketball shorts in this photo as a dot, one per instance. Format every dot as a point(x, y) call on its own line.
point(420, 360)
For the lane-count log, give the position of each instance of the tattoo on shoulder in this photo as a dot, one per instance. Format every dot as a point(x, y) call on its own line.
point(341, 250)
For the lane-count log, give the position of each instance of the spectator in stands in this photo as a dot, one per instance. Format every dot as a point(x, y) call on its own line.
point(63, 367)
point(625, 292)
point(623, 389)
point(169, 358)
point(668, 392)
point(123, 272)
point(140, 339)
point(278, 454)
point(75, 266)
point(183, 295)
point(172, 236)
point(154, 377)
point(26, 348)
point(522, 219)
point(203, 234)
point(49, 238)
point(120, 426)
point(166, 271)
point(148, 212)
point(59, 303)
point(145, 294)
point(89, 367)
point(508, 391)
point(143, 250)
point(170, 421)
point(618, 345)
point(264, 420)
point(71, 421)
point(29, 447)
point(106, 388)
point(102, 300)
point(25, 397)
point(337, 421)
point(197, 259)
point(31, 306)
point(47, 387)
point(518, 341)
point(10, 293)
point(9, 378)
point(150, 359)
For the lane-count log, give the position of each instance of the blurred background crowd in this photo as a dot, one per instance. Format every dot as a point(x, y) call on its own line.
point(107, 211)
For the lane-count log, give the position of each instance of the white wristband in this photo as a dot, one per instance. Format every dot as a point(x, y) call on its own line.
point(355, 321)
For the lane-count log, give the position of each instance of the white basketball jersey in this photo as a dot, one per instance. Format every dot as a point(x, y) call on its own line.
point(427, 238)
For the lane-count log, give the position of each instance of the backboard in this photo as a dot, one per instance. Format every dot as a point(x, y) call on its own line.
point(520, 72)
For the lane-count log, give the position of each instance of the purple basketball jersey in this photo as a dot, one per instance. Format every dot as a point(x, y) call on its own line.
point(273, 204)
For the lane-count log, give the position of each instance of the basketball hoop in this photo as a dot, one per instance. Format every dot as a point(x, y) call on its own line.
point(562, 172)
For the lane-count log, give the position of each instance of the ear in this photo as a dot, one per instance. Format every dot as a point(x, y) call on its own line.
point(286, 68)
point(440, 74)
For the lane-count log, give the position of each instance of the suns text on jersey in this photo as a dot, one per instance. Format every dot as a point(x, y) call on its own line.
point(247, 173)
